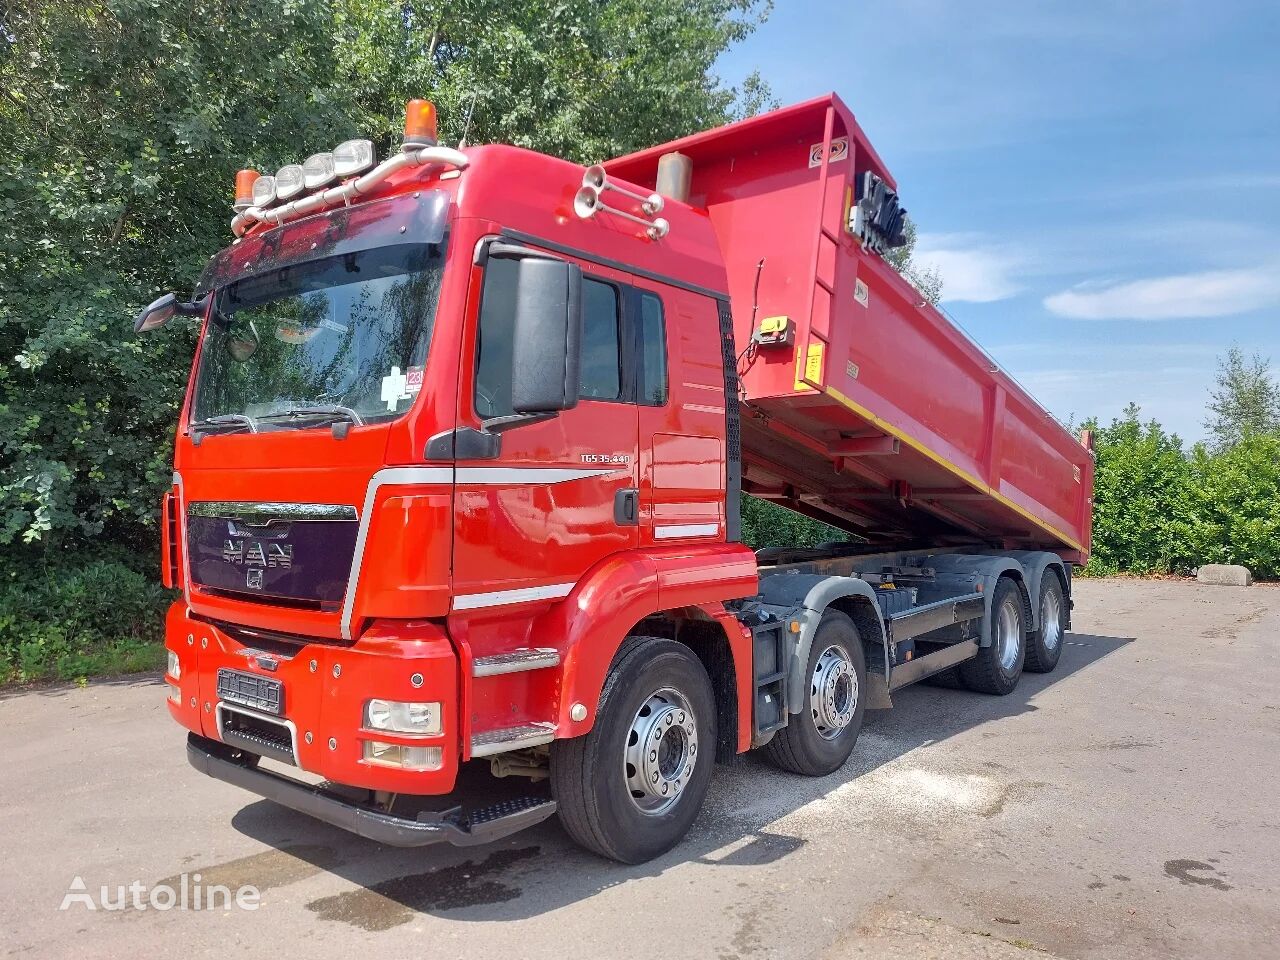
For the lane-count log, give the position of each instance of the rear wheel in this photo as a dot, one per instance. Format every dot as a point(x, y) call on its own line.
point(998, 666)
point(819, 739)
point(1045, 646)
point(631, 787)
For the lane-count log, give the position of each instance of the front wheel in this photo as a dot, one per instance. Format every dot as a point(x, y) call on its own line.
point(818, 740)
point(631, 788)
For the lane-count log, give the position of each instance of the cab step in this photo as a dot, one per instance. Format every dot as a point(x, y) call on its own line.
point(515, 661)
point(512, 738)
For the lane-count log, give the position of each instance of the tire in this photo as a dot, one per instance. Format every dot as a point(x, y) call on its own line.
point(1044, 647)
point(596, 779)
point(819, 739)
point(997, 668)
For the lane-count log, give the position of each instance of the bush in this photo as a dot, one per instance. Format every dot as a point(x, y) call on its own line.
point(1141, 513)
point(766, 524)
point(64, 621)
point(1234, 500)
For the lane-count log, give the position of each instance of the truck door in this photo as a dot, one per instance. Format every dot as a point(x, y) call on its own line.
point(561, 493)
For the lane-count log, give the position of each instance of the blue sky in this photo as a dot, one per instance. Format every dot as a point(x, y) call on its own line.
point(1097, 182)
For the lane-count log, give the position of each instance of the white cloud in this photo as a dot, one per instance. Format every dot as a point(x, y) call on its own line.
point(970, 271)
point(1212, 293)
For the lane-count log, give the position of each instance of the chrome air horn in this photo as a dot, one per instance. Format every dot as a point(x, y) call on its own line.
point(587, 203)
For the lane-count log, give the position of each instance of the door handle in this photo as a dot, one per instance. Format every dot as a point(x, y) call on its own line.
point(626, 507)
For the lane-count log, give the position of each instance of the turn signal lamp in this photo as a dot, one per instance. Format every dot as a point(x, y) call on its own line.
point(318, 170)
point(264, 191)
point(290, 181)
point(245, 180)
point(420, 124)
point(352, 157)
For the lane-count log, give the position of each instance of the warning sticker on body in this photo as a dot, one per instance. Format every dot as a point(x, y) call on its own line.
point(839, 150)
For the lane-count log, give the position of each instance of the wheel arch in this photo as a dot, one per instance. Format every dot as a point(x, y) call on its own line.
point(809, 596)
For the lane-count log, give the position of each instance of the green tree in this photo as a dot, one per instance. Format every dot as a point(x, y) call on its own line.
point(1140, 515)
point(121, 126)
point(1234, 504)
point(581, 80)
point(766, 524)
point(1246, 400)
point(925, 279)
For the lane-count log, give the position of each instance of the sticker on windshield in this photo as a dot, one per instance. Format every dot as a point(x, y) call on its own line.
point(413, 379)
point(395, 387)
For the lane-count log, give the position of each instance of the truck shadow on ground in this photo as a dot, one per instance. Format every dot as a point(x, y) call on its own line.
point(540, 870)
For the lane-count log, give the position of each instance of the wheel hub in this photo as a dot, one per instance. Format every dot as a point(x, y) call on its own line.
point(833, 695)
point(1009, 634)
point(1050, 620)
point(661, 751)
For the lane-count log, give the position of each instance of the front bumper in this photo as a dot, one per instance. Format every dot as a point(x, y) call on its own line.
point(451, 826)
point(325, 689)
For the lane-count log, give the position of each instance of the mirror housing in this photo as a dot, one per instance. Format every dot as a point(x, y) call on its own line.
point(160, 311)
point(547, 337)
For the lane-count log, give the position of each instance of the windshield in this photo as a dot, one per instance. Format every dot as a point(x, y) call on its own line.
point(342, 337)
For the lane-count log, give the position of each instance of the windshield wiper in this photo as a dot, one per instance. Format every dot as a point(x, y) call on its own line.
point(327, 410)
point(226, 421)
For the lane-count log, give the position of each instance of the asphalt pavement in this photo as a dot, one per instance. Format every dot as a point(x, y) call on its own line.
point(1126, 805)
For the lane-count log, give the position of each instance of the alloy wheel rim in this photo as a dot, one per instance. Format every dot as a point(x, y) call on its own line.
point(833, 692)
point(1051, 620)
point(1009, 634)
point(661, 751)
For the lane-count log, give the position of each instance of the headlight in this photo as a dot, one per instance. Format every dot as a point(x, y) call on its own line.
point(175, 668)
point(318, 170)
point(264, 191)
point(407, 758)
point(352, 157)
point(398, 717)
point(290, 181)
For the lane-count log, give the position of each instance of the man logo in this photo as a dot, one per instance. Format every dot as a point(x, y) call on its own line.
point(253, 579)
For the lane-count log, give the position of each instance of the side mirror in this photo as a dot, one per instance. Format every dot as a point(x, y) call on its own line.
point(156, 314)
point(159, 312)
point(547, 348)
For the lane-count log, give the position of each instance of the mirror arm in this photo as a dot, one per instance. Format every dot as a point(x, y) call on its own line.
point(503, 424)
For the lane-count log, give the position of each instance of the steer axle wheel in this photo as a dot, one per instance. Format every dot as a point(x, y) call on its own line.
point(631, 787)
point(819, 738)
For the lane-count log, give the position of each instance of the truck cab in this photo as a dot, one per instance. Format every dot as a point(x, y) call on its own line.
point(456, 484)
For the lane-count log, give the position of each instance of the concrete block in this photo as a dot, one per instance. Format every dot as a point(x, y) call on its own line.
point(1225, 575)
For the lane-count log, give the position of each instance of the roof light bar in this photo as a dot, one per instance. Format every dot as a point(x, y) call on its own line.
point(352, 157)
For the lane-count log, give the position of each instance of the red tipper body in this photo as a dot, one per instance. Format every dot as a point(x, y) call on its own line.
point(427, 554)
point(871, 364)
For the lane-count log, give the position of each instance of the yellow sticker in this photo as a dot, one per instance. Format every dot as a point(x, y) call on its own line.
point(812, 366)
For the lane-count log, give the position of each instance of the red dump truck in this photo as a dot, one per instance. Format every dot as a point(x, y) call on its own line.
point(456, 497)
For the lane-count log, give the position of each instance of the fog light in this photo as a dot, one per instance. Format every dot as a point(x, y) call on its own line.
point(406, 758)
point(175, 668)
point(175, 695)
point(264, 191)
point(398, 717)
point(290, 181)
point(352, 157)
point(318, 170)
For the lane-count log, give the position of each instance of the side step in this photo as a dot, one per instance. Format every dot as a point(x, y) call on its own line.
point(512, 738)
point(515, 661)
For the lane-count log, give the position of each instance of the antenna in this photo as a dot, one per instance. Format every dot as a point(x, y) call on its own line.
point(466, 124)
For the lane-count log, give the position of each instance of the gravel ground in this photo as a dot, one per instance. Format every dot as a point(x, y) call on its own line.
point(1123, 806)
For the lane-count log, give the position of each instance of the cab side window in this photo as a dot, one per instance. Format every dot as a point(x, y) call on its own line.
point(653, 351)
point(494, 339)
point(600, 376)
